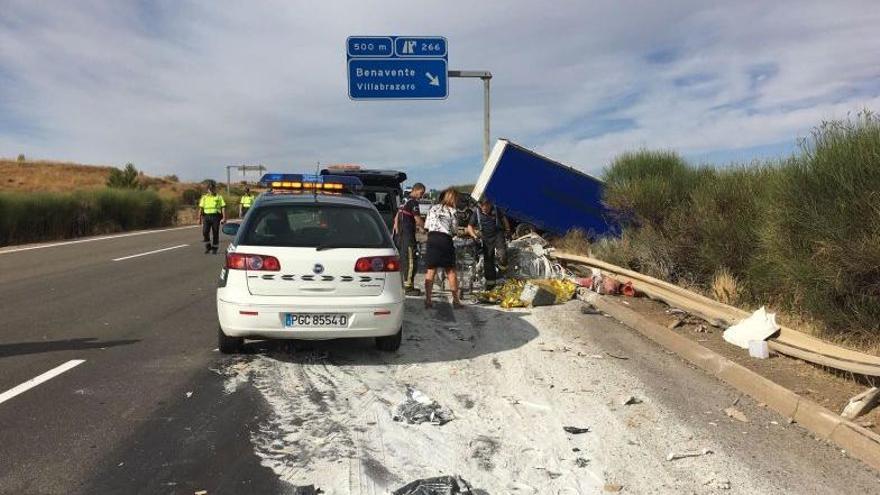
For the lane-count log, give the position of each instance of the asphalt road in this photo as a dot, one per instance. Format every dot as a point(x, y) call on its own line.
point(121, 421)
point(153, 408)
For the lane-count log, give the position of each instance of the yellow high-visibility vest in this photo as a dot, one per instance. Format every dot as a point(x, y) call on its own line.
point(211, 203)
point(247, 200)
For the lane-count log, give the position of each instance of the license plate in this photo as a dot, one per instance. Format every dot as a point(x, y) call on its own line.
point(315, 320)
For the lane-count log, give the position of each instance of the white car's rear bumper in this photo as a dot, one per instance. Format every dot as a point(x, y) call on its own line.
point(261, 319)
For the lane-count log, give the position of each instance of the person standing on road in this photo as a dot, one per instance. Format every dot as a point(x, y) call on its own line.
point(440, 252)
point(245, 202)
point(212, 212)
point(406, 222)
point(488, 225)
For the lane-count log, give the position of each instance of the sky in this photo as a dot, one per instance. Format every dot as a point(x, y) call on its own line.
point(189, 87)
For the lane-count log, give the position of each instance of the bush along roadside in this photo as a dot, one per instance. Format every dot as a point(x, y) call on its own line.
point(801, 234)
point(34, 217)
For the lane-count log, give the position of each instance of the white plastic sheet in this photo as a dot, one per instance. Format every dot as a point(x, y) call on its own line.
point(761, 325)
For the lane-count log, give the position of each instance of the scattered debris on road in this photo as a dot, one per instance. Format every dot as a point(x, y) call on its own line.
point(736, 414)
point(441, 485)
point(189, 394)
point(306, 490)
point(483, 450)
point(589, 309)
point(674, 456)
point(713, 480)
point(581, 462)
point(576, 430)
point(861, 404)
point(419, 408)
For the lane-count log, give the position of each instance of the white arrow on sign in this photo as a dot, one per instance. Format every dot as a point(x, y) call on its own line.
point(435, 81)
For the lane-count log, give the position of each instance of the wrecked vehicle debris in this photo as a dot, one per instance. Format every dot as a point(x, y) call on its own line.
point(441, 485)
point(419, 408)
point(528, 204)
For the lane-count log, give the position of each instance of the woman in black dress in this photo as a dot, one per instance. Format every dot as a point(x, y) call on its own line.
point(441, 225)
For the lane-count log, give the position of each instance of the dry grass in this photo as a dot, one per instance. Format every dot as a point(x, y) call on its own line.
point(725, 287)
point(48, 176)
point(32, 176)
point(573, 242)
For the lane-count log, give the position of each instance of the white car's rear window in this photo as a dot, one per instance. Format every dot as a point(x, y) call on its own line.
point(313, 225)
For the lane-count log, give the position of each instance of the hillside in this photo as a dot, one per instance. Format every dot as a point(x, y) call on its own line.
point(29, 176)
point(49, 176)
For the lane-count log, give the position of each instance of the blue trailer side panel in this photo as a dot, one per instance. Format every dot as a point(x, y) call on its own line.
point(553, 197)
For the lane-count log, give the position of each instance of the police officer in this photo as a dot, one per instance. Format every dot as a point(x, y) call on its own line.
point(212, 212)
point(491, 227)
point(245, 202)
point(407, 220)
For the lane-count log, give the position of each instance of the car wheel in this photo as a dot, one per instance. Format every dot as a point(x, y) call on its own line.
point(390, 343)
point(228, 345)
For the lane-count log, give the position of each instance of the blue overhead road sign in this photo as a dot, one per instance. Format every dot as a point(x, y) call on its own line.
point(397, 67)
point(397, 79)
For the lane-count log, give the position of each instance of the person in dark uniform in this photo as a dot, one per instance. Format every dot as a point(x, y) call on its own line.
point(212, 212)
point(407, 220)
point(488, 225)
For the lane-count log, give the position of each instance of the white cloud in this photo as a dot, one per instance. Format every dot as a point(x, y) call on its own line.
point(188, 88)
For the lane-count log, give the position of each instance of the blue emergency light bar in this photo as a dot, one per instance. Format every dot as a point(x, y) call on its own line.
point(310, 182)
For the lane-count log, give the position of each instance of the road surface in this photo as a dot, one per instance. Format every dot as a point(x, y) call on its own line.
point(134, 398)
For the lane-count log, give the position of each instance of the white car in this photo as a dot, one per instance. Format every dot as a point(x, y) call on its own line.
point(310, 261)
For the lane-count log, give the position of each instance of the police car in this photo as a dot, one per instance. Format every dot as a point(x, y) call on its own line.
point(310, 260)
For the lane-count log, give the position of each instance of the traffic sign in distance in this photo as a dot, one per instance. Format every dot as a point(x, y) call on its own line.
point(397, 67)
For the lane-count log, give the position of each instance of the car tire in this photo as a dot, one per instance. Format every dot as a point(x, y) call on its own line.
point(228, 345)
point(390, 343)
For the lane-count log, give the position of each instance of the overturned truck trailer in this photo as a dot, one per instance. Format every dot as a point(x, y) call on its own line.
point(540, 194)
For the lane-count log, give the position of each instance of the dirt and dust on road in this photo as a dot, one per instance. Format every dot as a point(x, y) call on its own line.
point(542, 401)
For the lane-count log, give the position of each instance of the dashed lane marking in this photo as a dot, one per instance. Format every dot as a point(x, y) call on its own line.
point(150, 252)
point(93, 239)
point(33, 382)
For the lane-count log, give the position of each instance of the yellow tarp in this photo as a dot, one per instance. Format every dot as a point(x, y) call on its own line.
point(508, 294)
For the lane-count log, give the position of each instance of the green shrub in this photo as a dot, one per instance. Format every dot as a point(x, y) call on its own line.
point(33, 217)
point(801, 233)
point(821, 238)
point(191, 196)
point(124, 179)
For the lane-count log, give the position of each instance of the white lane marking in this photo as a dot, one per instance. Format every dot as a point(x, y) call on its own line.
point(149, 252)
point(33, 382)
point(93, 239)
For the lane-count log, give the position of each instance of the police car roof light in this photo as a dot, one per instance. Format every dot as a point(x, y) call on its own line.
point(335, 183)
